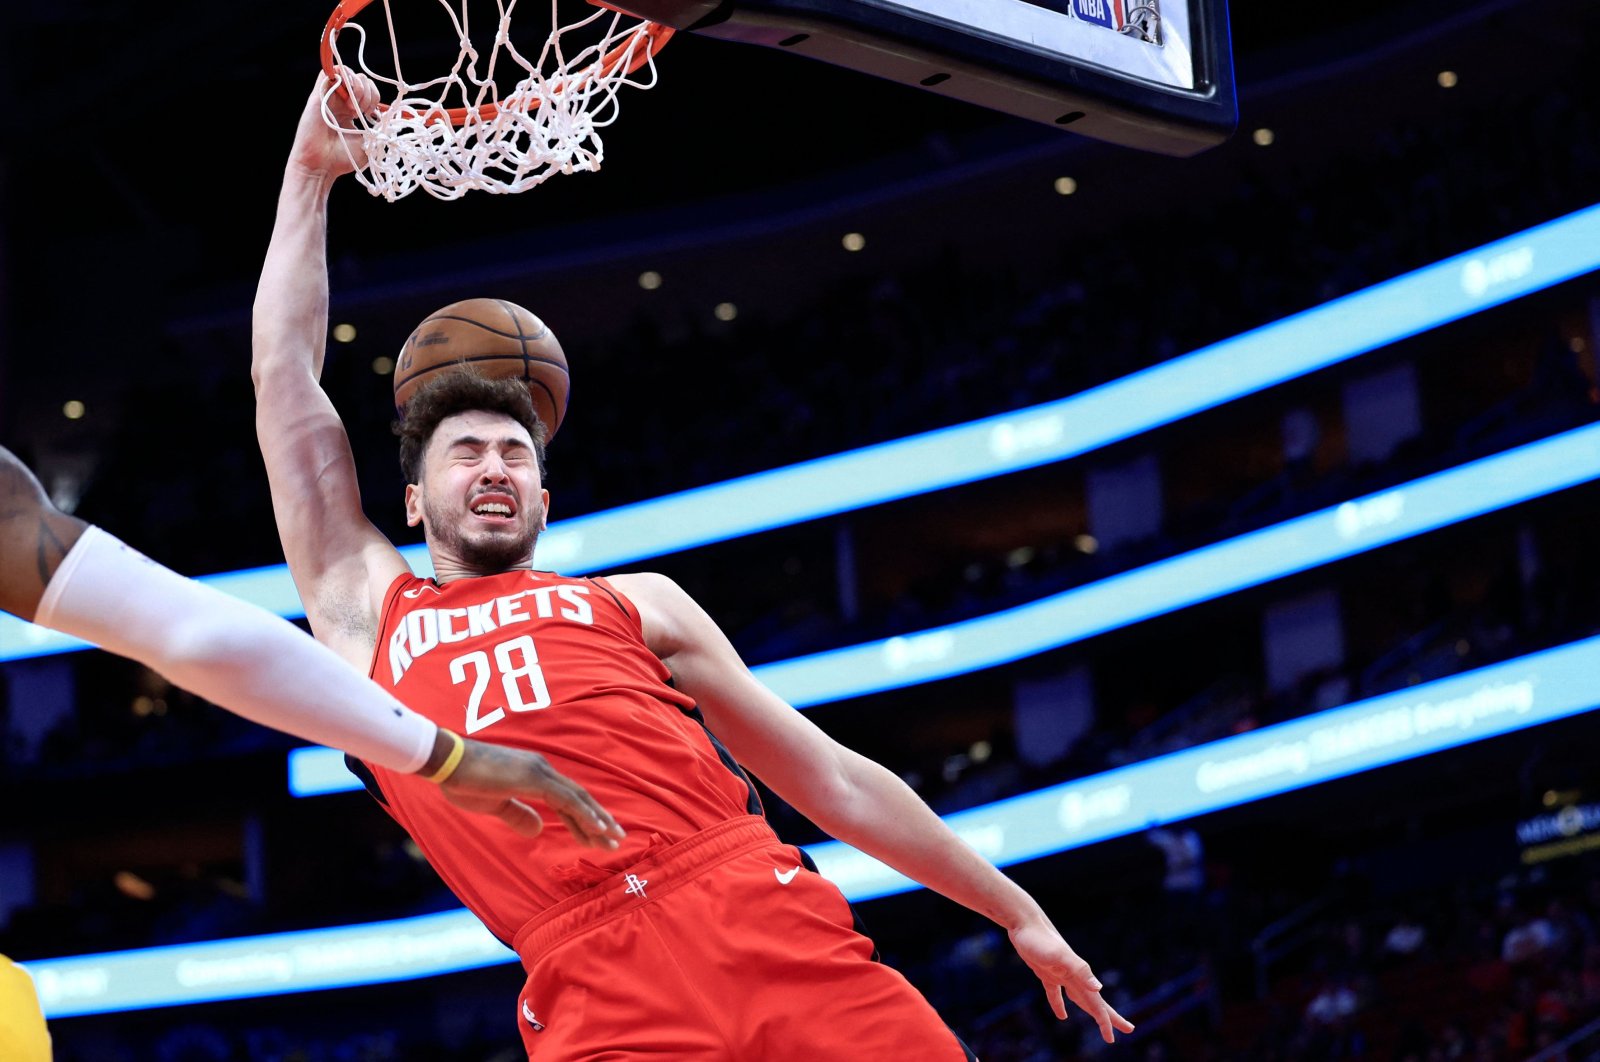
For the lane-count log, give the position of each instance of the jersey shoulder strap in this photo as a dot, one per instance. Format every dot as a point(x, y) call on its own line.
point(628, 608)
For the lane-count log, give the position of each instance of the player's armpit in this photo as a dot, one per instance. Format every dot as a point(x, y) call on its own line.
point(765, 734)
point(34, 537)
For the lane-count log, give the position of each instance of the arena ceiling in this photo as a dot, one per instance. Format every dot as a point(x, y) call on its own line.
point(147, 142)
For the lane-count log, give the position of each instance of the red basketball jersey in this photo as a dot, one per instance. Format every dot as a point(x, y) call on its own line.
point(559, 666)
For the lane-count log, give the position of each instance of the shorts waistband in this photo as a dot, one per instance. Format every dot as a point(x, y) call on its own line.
point(633, 886)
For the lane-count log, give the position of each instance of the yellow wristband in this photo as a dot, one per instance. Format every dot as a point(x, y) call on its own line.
point(452, 761)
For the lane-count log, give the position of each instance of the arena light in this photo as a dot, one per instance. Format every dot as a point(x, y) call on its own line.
point(247, 967)
point(1310, 541)
point(1421, 720)
point(1315, 339)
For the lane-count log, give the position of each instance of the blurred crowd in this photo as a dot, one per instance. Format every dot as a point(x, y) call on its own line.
point(1486, 968)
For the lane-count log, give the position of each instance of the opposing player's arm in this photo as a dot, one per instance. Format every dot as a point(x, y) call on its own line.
point(80, 580)
point(849, 796)
point(34, 537)
point(341, 563)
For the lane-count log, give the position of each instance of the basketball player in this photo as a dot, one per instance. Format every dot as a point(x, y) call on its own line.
point(703, 937)
point(76, 578)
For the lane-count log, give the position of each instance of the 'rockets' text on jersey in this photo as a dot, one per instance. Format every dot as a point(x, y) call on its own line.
point(426, 629)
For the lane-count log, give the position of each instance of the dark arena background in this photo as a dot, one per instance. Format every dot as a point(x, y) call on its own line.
point(1270, 670)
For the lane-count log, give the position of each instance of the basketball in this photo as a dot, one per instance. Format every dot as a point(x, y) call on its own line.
point(497, 339)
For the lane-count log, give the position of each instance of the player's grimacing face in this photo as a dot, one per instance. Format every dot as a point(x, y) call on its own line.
point(481, 497)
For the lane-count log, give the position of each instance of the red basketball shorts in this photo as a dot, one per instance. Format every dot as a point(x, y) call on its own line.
point(718, 948)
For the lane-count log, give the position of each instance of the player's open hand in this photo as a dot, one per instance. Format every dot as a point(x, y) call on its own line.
point(495, 780)
point(1062, 971)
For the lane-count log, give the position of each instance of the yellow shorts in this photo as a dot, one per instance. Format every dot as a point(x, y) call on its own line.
point(23, 1036)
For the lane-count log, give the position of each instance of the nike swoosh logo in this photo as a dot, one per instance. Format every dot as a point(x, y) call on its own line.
point(784, 876)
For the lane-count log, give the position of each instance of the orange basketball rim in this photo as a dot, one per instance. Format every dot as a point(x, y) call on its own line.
point(652, 35)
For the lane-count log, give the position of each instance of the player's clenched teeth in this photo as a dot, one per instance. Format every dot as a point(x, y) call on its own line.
point(494, 504)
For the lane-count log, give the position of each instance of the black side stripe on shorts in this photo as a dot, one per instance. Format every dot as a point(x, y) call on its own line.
point(855, 916)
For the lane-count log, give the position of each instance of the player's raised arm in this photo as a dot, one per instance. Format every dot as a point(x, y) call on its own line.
point(849, 796)
point(340, 562)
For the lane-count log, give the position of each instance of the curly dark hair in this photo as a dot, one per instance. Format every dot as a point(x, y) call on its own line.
point(462, 391)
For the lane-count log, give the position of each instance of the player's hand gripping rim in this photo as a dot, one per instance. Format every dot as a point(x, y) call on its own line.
point(495, 780)
point(319, 149)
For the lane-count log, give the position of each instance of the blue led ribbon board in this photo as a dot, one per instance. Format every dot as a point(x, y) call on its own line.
point(249, 967)
point(1335, 332)
point(1309, 541)
point(1432, 717)
point(1419, 721)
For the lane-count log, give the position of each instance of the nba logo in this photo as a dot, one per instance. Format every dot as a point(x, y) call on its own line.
point(1140, 19)
point(1107, 13)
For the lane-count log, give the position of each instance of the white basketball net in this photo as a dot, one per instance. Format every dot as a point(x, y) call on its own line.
point(548, 123)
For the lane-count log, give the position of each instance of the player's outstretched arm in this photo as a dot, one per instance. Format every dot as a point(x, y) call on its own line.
point(76, 578)
point(340, 562)
point(849, 796)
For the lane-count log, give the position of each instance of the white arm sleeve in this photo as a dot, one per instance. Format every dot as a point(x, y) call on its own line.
point(232, 653)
